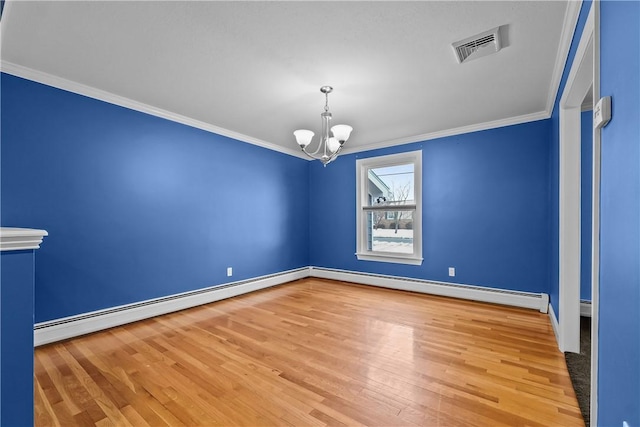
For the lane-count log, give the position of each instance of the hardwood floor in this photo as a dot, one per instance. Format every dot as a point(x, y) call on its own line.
point(313, 353)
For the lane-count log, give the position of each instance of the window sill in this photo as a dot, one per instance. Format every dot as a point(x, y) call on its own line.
point(390, 258)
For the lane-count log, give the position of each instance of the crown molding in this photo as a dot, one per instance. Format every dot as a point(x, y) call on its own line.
point(568, 29)
point(91, 92)
point(570, 21)
point(452, 132)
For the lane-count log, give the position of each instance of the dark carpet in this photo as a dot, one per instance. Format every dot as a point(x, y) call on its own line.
point(579, 366)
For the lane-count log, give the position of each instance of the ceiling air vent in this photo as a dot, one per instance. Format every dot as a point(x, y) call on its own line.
point(477, 46)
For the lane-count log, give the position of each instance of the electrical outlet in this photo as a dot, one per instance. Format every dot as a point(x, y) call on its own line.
point(452, 271)
point(229, 271)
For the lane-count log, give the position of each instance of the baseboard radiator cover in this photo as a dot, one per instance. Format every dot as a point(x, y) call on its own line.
point(537, 301)
point(73, 326)
point(81, 324)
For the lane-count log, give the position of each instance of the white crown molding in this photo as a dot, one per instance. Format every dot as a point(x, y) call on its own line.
point(81, 89)
point(516, 120)
point(568, 29)
point(19, 239)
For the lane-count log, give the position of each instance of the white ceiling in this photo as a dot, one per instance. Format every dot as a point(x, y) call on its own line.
point(252, 70)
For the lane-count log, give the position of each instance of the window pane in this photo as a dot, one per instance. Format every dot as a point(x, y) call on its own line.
point(391, 185)
point(390, 231)
point(389, 190)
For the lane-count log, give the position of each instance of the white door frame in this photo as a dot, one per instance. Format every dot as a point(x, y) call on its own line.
point(585, 72)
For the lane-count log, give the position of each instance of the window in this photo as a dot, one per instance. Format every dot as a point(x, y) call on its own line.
point(389, 217)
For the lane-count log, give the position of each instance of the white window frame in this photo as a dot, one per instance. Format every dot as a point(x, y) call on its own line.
point(362, 168)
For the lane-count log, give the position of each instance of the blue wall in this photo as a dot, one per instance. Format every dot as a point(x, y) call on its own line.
point(16, 337)
point(586, 176)
point(139, 207)
point(619, 299)
point(485, 210)
point(554, 169)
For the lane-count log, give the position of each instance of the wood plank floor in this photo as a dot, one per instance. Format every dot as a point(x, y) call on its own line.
point(313, 353)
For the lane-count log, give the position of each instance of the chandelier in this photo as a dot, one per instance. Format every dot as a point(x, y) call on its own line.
point(329, 146)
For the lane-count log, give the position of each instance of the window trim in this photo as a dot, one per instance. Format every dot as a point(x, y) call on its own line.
point(362, 167)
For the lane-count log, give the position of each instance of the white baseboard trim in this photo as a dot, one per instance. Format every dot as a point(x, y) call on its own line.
point(554, 324)
point(73, 326)
point(585, 308)
point(476, 293)
point(585, 311)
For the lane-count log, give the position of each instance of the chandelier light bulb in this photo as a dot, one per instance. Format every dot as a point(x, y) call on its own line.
point(333, 144)
point(303, 137)
point(341, 132)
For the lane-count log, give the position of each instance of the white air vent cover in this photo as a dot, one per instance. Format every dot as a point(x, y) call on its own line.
point(477, 46)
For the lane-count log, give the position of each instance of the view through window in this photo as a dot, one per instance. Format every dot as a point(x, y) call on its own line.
point(389, 208)
point(392, 228)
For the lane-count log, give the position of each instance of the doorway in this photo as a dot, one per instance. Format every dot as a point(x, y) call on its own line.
point(583, 78)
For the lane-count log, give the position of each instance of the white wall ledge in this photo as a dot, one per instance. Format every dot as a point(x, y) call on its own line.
point(18, 239)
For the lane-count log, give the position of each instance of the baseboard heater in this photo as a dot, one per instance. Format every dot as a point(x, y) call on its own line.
point(537, 301)
point(73, 326)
